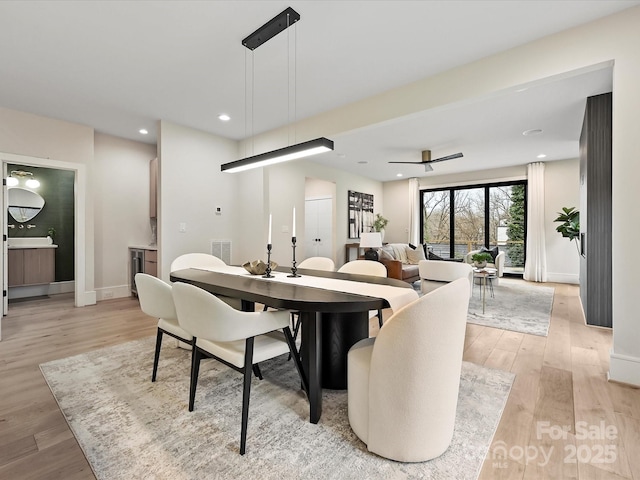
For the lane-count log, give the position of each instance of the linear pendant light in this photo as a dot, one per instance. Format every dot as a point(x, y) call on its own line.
point(277, 24)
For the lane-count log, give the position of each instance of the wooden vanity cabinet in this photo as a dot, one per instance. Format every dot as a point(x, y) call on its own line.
point(31, 266)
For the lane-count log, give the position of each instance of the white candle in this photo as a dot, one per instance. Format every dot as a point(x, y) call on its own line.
point(293, 230)
point(269, 238)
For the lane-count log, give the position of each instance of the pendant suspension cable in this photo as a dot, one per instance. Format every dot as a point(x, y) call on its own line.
point(295, 82)
point(288, 83)
point(252, 99)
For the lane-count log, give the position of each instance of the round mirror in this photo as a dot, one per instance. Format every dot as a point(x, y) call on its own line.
point(24, 204)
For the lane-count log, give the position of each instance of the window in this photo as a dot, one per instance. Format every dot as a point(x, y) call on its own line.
point(456, 220)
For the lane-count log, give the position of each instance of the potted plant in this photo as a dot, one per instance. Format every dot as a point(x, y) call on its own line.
point(379, 223)
point(570, 226)
point(481, 259)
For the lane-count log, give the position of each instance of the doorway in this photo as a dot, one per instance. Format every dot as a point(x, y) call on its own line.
point(78, 205)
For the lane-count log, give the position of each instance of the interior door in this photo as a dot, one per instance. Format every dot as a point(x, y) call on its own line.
point(319, 227)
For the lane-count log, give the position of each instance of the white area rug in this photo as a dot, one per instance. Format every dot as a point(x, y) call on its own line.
point(131, 428)
point(516, 305)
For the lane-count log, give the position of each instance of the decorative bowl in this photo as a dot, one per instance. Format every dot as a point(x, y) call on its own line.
point(258, 267)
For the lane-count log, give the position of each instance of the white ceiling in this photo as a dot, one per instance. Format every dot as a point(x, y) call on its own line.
point(123, 65)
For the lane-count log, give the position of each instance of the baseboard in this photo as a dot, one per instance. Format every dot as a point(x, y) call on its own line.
point(624, 369)
point(108, 293)
point(572, 278)
point(62, 287)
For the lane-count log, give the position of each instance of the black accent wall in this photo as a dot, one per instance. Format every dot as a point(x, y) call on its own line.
point(57, 189)
point(595, 217)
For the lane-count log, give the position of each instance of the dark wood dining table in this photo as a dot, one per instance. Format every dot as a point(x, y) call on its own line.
point(332, 321)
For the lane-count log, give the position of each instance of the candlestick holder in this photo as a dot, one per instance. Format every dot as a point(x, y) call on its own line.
point(267, 274)
point(294, 269)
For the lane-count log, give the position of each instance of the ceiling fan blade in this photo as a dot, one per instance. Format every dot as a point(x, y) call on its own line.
point(410, 163)
point(448, 157)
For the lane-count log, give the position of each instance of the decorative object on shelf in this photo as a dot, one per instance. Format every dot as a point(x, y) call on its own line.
point(480, 259)
point(570, 226)
point(371, 240)
point(360, 213)
point(258, 267)
point(273, 27)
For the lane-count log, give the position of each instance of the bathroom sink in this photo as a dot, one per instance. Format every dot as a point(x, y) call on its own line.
point(30, 242)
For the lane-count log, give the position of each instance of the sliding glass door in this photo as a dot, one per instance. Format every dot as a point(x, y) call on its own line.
point(457, 220)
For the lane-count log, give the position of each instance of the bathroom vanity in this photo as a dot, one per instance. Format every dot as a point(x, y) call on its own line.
point(31, 261)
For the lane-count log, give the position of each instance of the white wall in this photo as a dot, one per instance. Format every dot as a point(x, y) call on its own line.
point(121, 209)
point(191, 186)
point(562, 189)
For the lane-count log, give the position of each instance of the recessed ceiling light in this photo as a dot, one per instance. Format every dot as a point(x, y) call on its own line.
point(398, 174)
point(542, 155)
point(363, 162)
point(224, 117)
point(533, 131)
point(143, 131)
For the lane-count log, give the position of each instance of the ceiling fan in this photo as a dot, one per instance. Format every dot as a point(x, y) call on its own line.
point(427, 161)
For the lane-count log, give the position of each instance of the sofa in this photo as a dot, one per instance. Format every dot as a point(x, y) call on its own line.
point(498, 262)
point(436, 273)
point(401, 260)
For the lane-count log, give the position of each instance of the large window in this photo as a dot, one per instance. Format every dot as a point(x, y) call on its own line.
point(457, 220)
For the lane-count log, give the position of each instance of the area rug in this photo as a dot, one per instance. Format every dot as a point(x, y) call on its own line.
point(515, 305)
point(130, 428)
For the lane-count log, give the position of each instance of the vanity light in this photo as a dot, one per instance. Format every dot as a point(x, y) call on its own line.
point(13, 180)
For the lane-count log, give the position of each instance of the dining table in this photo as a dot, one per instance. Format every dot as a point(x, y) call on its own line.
point(334, 311)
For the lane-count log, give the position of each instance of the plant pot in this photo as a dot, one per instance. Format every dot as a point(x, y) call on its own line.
point(480, 264)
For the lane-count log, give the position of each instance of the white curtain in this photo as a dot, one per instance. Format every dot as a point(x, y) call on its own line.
point(535, 269)
point(414, 211)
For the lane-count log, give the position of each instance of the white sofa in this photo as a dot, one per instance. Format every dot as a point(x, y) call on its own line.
point(498, 265)
point(435, 273)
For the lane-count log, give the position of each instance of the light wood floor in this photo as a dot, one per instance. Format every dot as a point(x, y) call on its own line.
point(560, 380)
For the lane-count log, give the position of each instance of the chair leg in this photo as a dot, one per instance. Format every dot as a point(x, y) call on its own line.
point(157, 355)
point(196, 356)
point(257, 372)
point(248, 362)
point(296, 327)
point(296, 357)
point(380, 318)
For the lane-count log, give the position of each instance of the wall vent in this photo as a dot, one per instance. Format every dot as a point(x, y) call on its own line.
point(222, 250)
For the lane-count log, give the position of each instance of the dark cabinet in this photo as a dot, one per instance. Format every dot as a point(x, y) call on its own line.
point(595, 211)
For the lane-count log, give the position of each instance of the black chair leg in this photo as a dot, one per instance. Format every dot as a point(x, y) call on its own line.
point(195, 370)
point(248, 363)
point(380, 318)
point(156, 357)
point(257, 372)
point(293, 351)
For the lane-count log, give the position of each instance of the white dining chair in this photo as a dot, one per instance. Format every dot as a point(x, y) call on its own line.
point(403, 385)
point(156, 300)
point(238, 339)
point(366, 267)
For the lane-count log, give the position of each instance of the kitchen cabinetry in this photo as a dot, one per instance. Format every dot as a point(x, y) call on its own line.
point(142, 260)
point(31, 266)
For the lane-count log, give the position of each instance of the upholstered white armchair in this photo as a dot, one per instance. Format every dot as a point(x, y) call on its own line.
point(403, 384)
point(498, 264)
point(435, 273)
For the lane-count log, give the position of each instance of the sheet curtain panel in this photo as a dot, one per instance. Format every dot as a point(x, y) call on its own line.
point(535, 268)
point(414, 211)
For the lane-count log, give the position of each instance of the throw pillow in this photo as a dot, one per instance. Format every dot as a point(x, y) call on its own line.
point(388, 251)
point(400, 251)
point(433, 256)
point(491, 251)
point(414, 256)
point(384, 255)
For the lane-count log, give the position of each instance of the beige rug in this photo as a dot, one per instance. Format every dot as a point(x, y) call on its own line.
point(130, 428)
